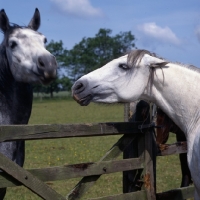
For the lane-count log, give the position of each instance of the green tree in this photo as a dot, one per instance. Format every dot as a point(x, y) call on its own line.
point(57, 49)
point(65, 83)
point(92, 53)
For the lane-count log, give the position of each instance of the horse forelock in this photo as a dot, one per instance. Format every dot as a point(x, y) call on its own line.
point(135, 56)
point(11, 29)
point(14, 27)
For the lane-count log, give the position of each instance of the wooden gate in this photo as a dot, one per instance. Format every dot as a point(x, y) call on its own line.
point(131, 179)
point(136, 135)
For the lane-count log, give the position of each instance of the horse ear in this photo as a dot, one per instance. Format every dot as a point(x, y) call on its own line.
point(158, 64)
point(35, 21)
point(4, 21)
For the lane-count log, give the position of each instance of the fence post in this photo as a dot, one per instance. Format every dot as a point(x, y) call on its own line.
point(149, 169)
point(131, 151)
point(132, 180)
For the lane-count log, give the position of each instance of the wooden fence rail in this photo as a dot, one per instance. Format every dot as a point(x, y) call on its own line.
point(52, 131)
point(137, 143)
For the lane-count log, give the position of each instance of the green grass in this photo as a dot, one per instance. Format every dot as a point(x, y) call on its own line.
point(58, 95)
point(68, 111)
point(45, 153)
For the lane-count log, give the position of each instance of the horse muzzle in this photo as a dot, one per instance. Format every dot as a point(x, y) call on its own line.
point(47, 68)
point(80, 94)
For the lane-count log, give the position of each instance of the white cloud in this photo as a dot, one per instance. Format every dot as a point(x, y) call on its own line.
point(78, 8)
point(159, 34)
point(197, 32)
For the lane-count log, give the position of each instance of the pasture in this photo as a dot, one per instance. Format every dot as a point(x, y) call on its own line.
point(45, 153)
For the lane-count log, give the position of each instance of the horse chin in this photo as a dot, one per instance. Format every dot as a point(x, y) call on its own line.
point(46, 81)
point(83, 101)
point(42, 80)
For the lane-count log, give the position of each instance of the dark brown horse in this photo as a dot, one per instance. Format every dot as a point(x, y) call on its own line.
point(162, 135)
point(140, 112)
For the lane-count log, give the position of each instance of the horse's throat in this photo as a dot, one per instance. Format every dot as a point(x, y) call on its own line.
point(16, 104)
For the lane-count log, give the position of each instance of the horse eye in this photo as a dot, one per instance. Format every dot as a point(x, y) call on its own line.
point(123, 66)
point(45, 40)
point(13, 44)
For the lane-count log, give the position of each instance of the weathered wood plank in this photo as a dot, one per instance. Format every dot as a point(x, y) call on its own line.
point(80, 170)
point(87, 182)
point(32, 132)
point(140, 195)
point(149, 181)
point(77, 170)
point(169, 149)
point(28, 180)
point(177, 194)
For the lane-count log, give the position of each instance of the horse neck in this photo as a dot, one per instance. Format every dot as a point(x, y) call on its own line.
point(174, 90)
point(15, 97)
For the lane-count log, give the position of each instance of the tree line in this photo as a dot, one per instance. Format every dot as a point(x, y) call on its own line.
point(89, 54)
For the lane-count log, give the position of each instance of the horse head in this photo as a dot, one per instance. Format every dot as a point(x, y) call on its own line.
point(27, 57)
point(124, 79)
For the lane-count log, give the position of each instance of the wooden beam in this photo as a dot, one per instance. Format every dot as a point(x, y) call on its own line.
point(33, 132)
point(76, 170)
point(177, 194)
point(169, 149)
point(140, 195)
point(28, 180)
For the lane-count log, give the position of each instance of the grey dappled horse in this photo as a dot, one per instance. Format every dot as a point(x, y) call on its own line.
point(23, 61)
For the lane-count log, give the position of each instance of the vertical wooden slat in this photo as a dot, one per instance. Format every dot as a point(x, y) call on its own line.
point(131, 179)
point(153, 112)
point(149, 182)
point(130, 151)
point(147, 150)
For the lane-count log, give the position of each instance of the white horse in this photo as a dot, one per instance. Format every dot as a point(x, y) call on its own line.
point(142, 75)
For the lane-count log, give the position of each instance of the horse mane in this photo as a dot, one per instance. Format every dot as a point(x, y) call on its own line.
point(190, 67)
point(136, 56)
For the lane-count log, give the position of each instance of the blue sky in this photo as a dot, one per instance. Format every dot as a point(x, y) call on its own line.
point(169, 28)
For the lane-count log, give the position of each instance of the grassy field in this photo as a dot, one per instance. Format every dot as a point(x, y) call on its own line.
point(44, 153)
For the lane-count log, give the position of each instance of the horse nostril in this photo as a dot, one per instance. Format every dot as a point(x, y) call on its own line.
point(41, 63)
point(79, 86)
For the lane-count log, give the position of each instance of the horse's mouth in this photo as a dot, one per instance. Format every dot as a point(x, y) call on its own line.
point(41, 79)
point(44, 79)
point(83, 101)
